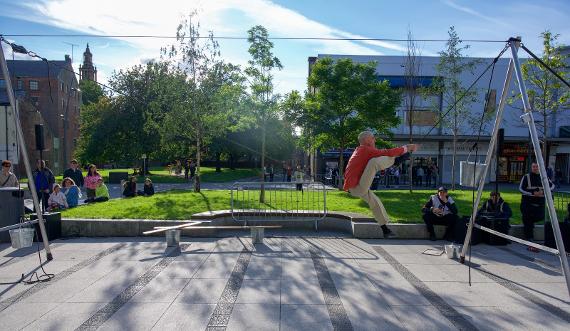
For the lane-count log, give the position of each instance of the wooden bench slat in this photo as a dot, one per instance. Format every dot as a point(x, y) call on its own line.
point(165, 228)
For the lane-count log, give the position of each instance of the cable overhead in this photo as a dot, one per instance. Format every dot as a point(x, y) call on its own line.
point(246, 38)
point(545, 65)
point(492, 64)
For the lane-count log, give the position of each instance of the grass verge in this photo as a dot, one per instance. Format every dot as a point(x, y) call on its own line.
point(402, 206)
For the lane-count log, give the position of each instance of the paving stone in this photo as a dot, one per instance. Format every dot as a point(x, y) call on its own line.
point(202, 291)
point(135, 316)
point(20, 315)
point(305, 317)
point(260, 291)
point(185, 317)
point(260, 317)
point(181, 269)
point(161, 289)
point(422, 318)
point(66, 316)
point(264, 267)
point(306, 291)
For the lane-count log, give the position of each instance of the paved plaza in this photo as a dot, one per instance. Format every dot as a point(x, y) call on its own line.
point(293, 282)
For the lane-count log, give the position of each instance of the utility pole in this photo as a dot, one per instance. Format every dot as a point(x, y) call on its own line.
point(72, 45)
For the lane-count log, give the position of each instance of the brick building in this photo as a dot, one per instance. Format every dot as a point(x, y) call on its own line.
point(48, 95)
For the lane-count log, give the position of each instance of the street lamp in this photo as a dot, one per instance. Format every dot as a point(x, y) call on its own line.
point(65, 124)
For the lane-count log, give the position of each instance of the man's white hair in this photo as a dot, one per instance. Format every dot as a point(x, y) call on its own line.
point(363, 135)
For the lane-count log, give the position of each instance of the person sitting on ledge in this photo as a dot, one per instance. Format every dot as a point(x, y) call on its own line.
point(101, 193)
point(440, 210)
point(495, 207)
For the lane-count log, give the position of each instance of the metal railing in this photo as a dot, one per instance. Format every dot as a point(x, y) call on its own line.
point(281, 201)
point(561, 201)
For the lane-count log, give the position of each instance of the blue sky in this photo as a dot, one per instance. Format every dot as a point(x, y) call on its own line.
point(428, 19)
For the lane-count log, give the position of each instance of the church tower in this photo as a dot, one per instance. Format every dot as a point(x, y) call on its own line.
point(87, 70)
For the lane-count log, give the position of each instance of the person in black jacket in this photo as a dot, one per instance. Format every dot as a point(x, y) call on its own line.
point(495, 207)
point(44, 180)
point(148, 188)
point(74, 172)
point(440, 210)
point(532, 200)
point(130, 187)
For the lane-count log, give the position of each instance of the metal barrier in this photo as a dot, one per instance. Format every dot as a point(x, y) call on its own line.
point(561, 201)
point(281, 201)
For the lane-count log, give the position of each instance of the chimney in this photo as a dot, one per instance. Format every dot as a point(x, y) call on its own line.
point(67, 58)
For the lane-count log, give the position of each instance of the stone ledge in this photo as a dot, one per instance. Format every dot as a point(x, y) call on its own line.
point(360, 226)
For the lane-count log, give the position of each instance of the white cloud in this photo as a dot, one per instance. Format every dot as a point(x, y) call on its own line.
point(470, 11)
point(228, 18)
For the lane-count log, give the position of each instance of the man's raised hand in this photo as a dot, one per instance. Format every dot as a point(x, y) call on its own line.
point(412, 147)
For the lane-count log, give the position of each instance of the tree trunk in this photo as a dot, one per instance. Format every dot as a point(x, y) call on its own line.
point(218, 162)
point(341, 169)
point(231, 161)
point(453, 160)
point(410, 167)
point(198, 159)
point(545, 140)
point(262, 189)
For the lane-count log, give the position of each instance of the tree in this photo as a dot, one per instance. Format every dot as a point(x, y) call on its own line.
point(347, 99)
point(124, 126)
point(411, 90)
point(260, 71)
point(91, 92)
point(548, 96)
point(452, 64)
point(203, 111)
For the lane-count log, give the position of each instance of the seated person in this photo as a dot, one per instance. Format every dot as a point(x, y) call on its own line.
point(148, 188)
point(495, 207)
point(57, 200)
point(440, 210)
point(130, 187)
point(71, 191)
point(101, 192)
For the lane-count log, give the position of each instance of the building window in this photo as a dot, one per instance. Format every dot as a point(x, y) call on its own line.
point(20, 84)
point(421, 117)
point(34, 85)
point(2, 83)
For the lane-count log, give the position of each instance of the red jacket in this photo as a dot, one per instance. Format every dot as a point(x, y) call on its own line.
point(359, 160)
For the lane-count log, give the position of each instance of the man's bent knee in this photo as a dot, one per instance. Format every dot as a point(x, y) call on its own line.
point(382, 162)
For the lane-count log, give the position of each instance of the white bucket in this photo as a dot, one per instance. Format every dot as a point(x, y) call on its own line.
point(452, 251)
point(449, 251)
point(22, 237)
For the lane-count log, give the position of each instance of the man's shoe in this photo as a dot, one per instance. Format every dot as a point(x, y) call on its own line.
point(400, 159)
point(389, 235)
point(432, 237)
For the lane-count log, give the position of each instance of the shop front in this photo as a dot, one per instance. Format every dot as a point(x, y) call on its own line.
point(513, 162)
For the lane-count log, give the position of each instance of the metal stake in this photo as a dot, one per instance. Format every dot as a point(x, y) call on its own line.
point(528, 118)
point(22, 144)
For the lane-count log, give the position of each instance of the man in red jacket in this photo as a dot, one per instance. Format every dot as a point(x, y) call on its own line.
point(363, 165)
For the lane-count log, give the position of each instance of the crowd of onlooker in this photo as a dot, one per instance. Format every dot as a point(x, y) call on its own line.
point(67, 194)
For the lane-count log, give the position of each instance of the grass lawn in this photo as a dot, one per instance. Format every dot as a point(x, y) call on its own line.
point(401, 206)
point(161, 175)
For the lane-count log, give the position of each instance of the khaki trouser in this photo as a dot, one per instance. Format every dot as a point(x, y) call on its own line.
point(362, 190)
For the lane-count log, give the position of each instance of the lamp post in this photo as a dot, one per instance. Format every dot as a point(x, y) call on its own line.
point(65, 125)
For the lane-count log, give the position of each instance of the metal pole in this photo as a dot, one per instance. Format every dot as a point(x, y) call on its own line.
point(528, 118)
point(22, 144)
point(490, 152)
